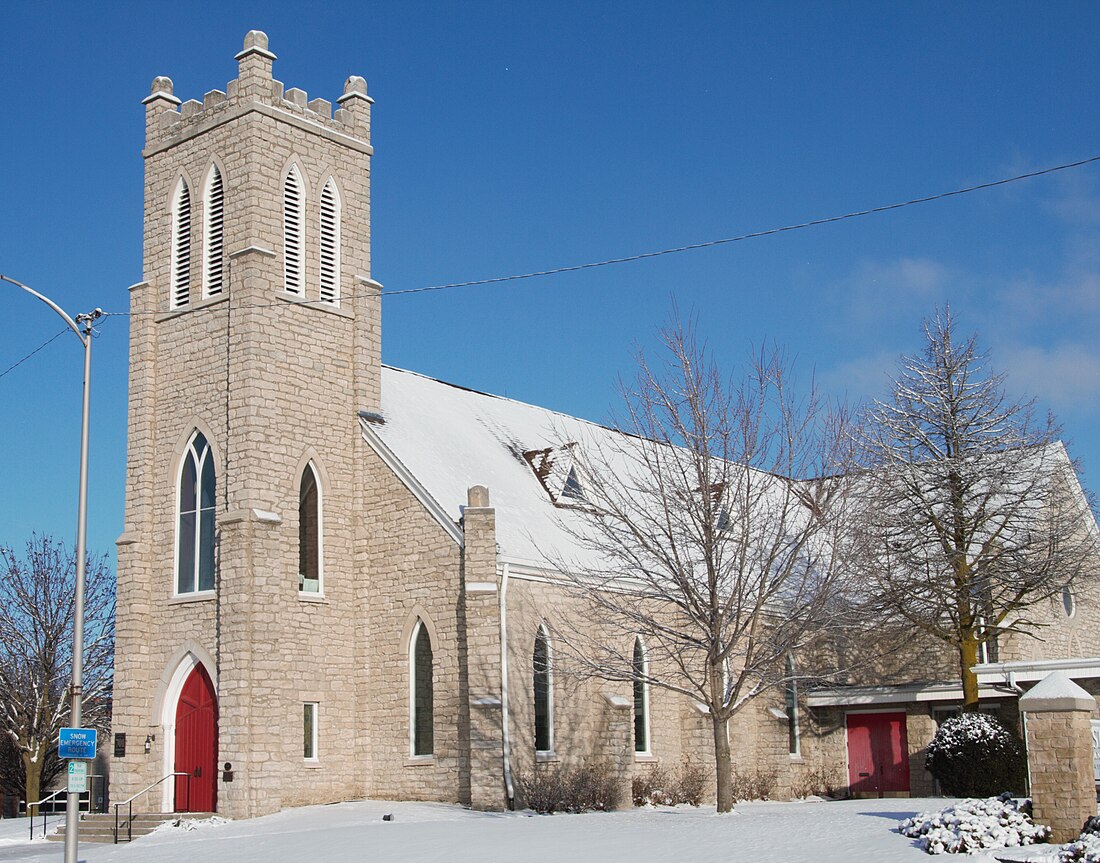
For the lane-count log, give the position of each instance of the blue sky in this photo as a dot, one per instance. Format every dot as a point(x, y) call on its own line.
point(517, 136)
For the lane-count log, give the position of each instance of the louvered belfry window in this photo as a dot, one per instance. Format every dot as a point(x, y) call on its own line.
point(181, 246)
point(330, 243)
point(292, 232)
point(213, 253)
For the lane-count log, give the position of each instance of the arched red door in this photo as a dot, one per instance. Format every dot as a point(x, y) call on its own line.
point(197, 744)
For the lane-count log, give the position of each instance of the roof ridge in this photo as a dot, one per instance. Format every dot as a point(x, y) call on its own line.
point(507, 399)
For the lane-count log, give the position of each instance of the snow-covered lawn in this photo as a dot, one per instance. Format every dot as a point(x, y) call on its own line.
point(851, 831)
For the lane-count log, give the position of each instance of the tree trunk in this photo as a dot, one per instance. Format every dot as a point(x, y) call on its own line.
point(32, 783)
point(722, 762)
point(968, 657)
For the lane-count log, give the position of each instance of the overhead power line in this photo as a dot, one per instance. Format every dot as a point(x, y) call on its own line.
point(44, 344)
point(752, 235)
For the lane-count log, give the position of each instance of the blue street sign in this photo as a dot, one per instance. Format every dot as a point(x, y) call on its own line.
point(77, 743)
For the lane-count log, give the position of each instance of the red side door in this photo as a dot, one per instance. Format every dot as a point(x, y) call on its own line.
point(878, 754)
point(197, 744)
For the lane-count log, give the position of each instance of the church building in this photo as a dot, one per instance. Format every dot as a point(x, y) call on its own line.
point(331, 580)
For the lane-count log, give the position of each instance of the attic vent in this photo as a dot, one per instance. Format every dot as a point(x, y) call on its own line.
point(556, 470)
point(572, 488)
point(330, 243)
point(213, 210)
point(181, 246)
point(292, 232)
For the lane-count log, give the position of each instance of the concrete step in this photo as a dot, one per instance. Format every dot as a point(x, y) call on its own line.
point(100, 827)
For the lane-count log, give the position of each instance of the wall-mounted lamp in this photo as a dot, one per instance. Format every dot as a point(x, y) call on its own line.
point(149, 738)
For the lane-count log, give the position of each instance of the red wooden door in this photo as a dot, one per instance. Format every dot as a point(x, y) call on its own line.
point(197, 744)
point(878, 753)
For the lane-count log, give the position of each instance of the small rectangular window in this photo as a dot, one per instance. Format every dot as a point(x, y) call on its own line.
point(309, 730)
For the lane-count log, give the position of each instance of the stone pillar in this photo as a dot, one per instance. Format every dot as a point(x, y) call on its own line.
point(481, 603)
point(1059, 754)
point(618, 745)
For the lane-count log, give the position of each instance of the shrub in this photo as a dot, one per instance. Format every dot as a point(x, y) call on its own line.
point(758, 784)
point(818, 781)
point(1086, 849)
point(975, 755)
point(973, 825)
point(663, 787)
point(580, 790)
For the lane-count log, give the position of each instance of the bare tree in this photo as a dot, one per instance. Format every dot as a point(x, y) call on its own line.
point(971, 510)
point(707, 527)
point(37, 597)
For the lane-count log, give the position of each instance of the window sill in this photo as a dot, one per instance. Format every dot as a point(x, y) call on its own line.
point(320, 305)
point(548, 757)
point(420, 761)
point(191, 307)
point(796, 757)
point(311, 763)
point(645, 758)
point(196, 596)
point(312, 597)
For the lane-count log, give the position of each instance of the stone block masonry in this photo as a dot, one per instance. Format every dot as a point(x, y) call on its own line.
point(1059, 744)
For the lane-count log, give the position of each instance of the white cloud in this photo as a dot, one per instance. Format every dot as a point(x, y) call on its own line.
point(1066, 376)
point(889, 290)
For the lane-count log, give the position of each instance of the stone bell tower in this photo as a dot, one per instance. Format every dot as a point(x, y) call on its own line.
point(255, 342)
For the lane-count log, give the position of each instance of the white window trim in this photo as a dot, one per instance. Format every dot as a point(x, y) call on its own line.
point(330, 184)
point(795, 729)
point(208, 259)
point(542, 630)
point(319, 593)
point(196, 593)
point(177, 254)
point(648, 751)
point(413, 756)
point(316, 736)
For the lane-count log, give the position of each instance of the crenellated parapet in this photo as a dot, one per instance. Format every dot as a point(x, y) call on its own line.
point(168, 120)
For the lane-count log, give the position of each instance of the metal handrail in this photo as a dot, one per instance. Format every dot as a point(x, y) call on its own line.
point(50, 797)
point(130, 803)
point(39, 803)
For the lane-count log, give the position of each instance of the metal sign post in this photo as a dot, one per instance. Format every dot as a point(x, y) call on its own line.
point(82, 326)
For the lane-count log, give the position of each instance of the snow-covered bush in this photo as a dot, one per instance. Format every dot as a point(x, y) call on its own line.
point(975, 755)
point(1087, 848)
point(973, 825)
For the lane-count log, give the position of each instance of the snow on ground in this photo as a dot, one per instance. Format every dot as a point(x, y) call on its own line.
point(850, 831)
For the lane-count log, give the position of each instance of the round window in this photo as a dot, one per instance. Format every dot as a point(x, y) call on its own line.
point(1068, 602)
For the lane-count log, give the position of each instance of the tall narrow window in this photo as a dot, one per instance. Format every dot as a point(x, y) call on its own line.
point(195, 529)
point(213, 230)
point(309, 533)
point(292, 231)
point(330, 243)
point(421, 667)
point(544, 711)
point(309, 730)
point(641, 698)
point(793, 741)
point(181, 246)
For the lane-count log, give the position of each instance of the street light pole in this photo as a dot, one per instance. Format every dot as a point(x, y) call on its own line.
point(82, 326)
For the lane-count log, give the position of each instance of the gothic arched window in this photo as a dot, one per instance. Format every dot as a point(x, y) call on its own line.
point(195, 525)
point(544, 711)
point(180, 277)
point(213, 233)
point(309, 532)
point(422, 706)
point(641, 697)
point(330, 243)
point(293, 198)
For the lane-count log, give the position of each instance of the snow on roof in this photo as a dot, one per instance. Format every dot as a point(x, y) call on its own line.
point(449, 438)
